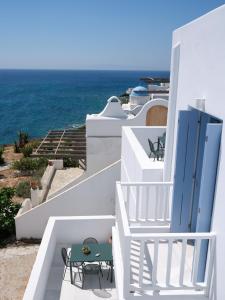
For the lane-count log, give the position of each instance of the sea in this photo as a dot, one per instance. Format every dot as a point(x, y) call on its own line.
point(37, 101)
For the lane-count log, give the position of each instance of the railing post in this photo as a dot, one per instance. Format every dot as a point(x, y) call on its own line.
point(126, 267)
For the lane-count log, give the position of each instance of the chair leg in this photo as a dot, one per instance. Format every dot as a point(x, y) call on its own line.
point(79, 273)
point(82, 280)
point(64, 273)
point(101, 270)
point(108, 273)
point(99, 280)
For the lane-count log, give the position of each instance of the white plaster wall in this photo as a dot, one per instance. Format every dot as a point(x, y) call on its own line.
point(101, 152)
point(138, 100)
point(111, 127)
point(63, 230)
point(135, 163)
point(202, 75)
point(104, 136)
point(93, 196)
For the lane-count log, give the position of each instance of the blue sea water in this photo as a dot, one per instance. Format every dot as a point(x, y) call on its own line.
point(39, 100)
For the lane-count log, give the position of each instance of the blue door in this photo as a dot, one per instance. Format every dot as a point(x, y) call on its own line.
point(187, 140)
point(207, 189)
point(204, 120)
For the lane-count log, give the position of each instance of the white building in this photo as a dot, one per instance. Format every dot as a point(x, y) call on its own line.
point(169, 227)
point(103, 130)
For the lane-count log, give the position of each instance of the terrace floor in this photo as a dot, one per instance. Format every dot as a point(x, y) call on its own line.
point(58, 288)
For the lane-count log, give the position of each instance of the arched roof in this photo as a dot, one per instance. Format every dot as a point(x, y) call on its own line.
point(139, 91)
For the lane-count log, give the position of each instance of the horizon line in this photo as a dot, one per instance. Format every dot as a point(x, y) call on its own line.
point(52, 69)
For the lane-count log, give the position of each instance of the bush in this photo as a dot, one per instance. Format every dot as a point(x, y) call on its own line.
point(23, 189)
point(23, 139)
point(8, 211)
point(16, 148)
point(69, 162)
point(1, 158)
point(27, 151)
point(30, 165)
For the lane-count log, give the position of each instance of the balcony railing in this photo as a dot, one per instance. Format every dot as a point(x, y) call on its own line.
point(158, 263)
point(147, 203)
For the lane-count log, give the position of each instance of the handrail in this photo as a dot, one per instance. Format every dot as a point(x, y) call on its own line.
point(174, 236)
point(123, 183)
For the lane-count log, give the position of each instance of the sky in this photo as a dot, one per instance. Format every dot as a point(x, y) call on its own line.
point(93, 34)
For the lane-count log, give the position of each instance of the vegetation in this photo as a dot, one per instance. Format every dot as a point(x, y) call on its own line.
point(124, 99)
point(1, 158)
point(8, 211)
point(23, 189)
point(16, 148)
point(27, 150)
point(30, 165)
point(23, 138)
point(69, 162)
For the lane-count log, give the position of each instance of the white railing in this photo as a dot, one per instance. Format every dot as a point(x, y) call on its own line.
point(147, 203)
point(171, 261)
point(154, 262)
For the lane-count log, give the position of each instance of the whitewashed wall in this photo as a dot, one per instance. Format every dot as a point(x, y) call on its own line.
point(93, 196)
point(101, 152)
point(202, 75)
point(97, 126)
point(104, 136)
point(135, 163)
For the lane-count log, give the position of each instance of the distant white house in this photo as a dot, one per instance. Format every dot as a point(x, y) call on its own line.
point(169, 229)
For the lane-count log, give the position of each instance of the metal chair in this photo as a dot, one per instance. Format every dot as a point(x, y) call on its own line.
point(159, 152)
point(90, 240)
point(110, 265)
point(66, 260)
point(89, 269)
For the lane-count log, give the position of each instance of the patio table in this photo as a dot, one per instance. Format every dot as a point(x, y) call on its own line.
point(104, 249)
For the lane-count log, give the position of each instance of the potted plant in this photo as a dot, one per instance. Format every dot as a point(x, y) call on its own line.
point(86, 250)
point(34, 184)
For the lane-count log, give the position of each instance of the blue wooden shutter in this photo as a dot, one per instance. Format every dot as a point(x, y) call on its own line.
point(184, 170)
point(207, 189)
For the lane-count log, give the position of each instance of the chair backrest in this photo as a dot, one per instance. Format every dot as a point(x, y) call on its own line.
point(64, 256)
point(90, 240)
point(151, 145)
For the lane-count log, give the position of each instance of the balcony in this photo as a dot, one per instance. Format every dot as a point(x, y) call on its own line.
point(152, 261)
point(46, 280)
point(136, 165)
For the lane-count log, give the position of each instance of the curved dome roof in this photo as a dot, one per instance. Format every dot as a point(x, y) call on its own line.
point(139, 91)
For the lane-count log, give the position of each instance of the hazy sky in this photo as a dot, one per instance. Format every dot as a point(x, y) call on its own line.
point(93, 34)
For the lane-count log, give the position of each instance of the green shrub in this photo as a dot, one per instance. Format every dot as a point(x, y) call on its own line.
point(30, 164)
point(16, 148)
point(27, 151)
point(1, 158)
point(23, 139)
point(34, 143)
point(8, 211)
point(24, 164)
point(69, 162)
point(23, 189)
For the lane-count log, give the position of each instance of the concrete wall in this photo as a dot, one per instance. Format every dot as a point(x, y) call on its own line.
point(93, 196)
point(202, 76)
point(63, 230)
